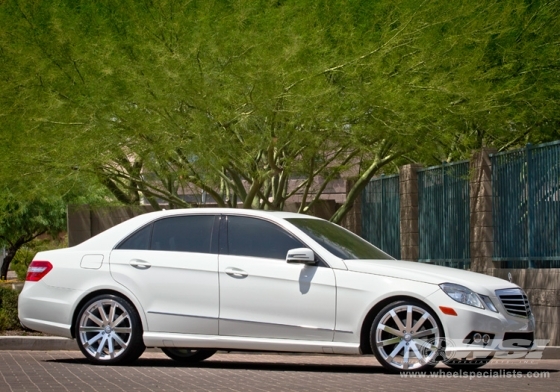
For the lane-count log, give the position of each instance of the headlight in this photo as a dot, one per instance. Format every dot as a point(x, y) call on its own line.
point(488, 303)
point(462, 294)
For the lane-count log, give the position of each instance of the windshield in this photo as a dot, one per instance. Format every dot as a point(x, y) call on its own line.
point(338, 241)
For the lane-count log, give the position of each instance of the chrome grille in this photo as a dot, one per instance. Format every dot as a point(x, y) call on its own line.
point(515, 302)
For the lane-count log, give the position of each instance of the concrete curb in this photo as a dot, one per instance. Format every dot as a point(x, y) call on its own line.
point(53, 343)
point(37, 343)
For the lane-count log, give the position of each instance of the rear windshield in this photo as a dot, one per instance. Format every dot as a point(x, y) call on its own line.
point(338, 241)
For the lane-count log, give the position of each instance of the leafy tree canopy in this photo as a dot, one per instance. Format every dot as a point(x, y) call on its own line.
point(149, 98)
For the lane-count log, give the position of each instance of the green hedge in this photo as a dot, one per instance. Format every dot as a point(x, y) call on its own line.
point(9, 309)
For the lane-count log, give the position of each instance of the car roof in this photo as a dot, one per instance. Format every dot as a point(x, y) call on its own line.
point(112, 236)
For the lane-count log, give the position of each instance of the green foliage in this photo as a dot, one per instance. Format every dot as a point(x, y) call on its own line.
point(155, 98)
point(23, 221)
point(30, 219)
point(8, 309)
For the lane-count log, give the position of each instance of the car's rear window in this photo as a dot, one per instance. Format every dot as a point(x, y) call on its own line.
point(189, 233)
point(338, 241)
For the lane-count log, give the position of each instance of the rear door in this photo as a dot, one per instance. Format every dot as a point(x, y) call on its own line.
point(171, 266)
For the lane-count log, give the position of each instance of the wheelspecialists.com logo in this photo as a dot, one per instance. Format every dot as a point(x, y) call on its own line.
point(471, 375)
point(444, 350)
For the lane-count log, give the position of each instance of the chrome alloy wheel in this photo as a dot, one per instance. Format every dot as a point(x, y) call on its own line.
point(406, 337)
point(105, 329)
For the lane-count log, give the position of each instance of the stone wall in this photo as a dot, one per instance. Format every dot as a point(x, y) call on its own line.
point(408, 194)
point(481, 224)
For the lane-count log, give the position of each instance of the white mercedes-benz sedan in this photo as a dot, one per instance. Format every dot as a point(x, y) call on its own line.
point(199, 280)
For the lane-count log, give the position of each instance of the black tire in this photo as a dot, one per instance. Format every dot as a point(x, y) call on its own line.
point(399, 350)
point(109, 331)
point(187, 355)
point(467, 364)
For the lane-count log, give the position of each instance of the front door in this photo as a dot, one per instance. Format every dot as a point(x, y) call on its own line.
point(263, 296)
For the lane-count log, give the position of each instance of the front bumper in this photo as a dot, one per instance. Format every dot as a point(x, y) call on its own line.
point(511, 335)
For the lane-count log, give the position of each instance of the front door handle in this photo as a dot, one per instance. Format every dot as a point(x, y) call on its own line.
point(236, 272)
point(140, 264)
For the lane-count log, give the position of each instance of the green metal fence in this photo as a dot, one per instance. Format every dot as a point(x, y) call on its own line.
point(525, 210)
point(526, 207)
point(381, 214)
point(444, 218)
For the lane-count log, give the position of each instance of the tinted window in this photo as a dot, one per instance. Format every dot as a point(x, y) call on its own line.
point(259, 238)
point(338, 241)
point(183, 234)
point(139, 240)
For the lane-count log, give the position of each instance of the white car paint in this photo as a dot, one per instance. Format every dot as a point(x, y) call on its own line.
point(292, 301)
point(183, 295)
point(427, 273)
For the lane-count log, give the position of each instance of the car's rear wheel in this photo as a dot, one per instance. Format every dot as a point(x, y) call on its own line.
point(109, 331)
point(187, 355)
point(406, 336)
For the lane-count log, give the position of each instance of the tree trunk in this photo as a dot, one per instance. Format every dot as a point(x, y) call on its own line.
point(7, 260)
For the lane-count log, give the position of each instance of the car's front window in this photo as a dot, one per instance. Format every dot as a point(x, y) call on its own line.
point(258, 238)
point(337, 240)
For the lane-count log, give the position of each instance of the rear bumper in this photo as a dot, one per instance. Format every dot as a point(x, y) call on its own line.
point(47, 309)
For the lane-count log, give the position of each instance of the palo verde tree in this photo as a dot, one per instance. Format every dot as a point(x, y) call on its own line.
point(153, 99)
point(22, 222)
point(28, 211)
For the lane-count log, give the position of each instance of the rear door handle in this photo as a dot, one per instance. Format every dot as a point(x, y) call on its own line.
point(140, 264)
point(236, 272)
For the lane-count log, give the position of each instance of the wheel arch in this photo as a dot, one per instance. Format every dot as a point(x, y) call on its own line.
point(96, 293)
point(365, 346)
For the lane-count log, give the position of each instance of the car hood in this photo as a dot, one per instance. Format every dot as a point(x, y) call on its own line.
point(428, 273)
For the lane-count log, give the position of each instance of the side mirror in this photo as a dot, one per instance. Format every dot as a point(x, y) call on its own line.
point(301, 256)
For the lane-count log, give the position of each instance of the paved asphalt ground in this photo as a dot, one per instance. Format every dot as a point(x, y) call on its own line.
point(69, 371)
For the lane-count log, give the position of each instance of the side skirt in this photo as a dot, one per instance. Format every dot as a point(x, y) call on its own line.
point(158, 339)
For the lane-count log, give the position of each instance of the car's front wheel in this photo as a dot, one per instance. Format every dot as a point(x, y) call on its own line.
point(187, 355)
point(109, 331)
point(406, 336)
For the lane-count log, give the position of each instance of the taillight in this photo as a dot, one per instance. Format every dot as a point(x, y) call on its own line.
point(37, 270)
